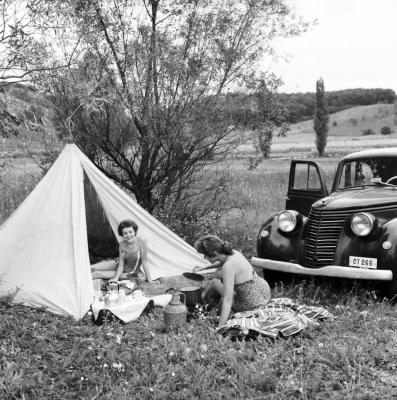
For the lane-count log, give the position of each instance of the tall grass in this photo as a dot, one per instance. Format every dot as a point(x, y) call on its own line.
point(16, 182)
point(352, 356)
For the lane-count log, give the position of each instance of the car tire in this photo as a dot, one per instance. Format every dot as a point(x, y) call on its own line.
point(390, 289)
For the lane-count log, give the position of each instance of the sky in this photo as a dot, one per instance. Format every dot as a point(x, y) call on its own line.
point(353, 45)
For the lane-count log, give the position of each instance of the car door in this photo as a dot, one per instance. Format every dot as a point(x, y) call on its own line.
point(306, 185)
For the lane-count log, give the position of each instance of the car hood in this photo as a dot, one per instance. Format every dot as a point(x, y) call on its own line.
point(359, 197)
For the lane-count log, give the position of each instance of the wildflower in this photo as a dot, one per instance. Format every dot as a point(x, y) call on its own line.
point(82, 378)
point(172, 373)
point(151, 389)
point(187, 351)
point(117, 365)
point(321, 345)
point(152, 334)
point(89, 348)
point(98, 357)
point(204, 348)
point(118, 339)
point(105, 365)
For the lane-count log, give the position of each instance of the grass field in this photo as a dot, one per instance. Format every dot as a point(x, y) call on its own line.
point(352, 356)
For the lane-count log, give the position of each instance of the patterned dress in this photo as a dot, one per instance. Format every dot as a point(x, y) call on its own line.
point(251, 294)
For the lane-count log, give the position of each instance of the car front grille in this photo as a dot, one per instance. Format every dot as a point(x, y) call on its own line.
point(323, 230)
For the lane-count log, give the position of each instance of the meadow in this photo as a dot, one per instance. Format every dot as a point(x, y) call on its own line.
point(351, 356)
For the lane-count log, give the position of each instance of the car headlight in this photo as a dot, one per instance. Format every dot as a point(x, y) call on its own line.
point(287, 220)
point(362, 224)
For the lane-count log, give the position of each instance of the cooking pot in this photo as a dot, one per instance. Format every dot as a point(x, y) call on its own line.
point(192, 295)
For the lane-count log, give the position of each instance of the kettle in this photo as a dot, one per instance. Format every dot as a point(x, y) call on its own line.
point(175, 312)
point(112, 297)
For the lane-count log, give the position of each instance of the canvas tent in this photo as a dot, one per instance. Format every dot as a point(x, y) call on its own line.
point(44, 245)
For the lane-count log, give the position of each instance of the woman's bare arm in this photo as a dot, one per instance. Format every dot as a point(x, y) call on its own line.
point(228, 284)
point(215, 264)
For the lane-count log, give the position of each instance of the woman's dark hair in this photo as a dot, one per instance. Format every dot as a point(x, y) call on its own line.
point(127, 223)
point(208, 244)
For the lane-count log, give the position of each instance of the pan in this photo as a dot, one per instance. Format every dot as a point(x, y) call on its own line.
point(193, 276)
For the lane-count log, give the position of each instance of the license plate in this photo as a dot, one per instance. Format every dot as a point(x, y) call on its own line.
point(362, 262)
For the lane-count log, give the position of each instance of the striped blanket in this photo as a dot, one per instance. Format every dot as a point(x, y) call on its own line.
point(280, 317)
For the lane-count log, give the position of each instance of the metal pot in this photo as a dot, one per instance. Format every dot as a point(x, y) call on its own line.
point(192, 295)
point(112, 296)
point(175, 312)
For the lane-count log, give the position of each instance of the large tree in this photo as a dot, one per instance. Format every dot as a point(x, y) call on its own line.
point(321, 117)
point(145, 83)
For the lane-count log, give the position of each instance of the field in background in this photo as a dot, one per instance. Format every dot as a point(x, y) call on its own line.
point(345, 134)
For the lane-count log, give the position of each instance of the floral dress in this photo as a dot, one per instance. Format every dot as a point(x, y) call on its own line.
point(251, 294)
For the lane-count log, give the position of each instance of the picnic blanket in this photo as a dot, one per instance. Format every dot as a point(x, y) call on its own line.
point(280, 317)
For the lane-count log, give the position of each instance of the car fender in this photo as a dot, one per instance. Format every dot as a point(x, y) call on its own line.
point(371, 246)
point(278, 245)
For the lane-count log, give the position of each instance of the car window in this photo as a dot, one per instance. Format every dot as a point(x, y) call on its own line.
point(306, 177)
point(360, 172)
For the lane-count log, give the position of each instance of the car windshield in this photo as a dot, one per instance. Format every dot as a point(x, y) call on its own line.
point(357, 173)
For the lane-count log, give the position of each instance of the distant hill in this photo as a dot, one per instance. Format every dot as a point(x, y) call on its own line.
point(301, 106)
point(27, 119)
point(296, 107)
point(353, 121)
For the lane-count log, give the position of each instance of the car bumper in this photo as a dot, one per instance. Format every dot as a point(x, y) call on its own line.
point(334, 271)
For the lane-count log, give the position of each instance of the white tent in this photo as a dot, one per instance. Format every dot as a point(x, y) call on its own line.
point(44, 245)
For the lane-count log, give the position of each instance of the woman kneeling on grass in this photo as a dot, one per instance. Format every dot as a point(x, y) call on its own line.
point(235, 280)
point(132, 256)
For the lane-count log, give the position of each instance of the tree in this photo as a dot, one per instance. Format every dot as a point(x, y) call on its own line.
point(144, 86)
point(321, 118)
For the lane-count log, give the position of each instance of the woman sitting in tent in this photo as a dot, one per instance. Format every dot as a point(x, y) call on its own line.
point(132, 256)
point(236, 280)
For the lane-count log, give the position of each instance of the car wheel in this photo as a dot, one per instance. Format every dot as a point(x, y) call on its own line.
point(391, 289)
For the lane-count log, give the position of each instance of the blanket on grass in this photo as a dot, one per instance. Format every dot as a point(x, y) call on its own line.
point(280, 317)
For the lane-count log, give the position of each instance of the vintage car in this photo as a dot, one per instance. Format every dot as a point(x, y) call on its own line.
point(350, 233)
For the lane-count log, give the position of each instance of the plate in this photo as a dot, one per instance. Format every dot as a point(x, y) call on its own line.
point(363, 262)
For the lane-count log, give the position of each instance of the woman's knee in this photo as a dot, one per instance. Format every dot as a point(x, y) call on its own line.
point(95, 274)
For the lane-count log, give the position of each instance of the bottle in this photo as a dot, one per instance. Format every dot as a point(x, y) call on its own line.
point(175, 312)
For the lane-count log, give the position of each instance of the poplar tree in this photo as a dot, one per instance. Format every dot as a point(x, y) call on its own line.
point(321, 118)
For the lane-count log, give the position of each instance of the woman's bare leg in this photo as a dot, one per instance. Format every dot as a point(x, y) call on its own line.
point(103, 274)
point(213, 293)
point(106, 265)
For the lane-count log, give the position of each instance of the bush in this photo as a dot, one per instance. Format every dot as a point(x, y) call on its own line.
point(354, 121)
point(367, 132)
point(385, 130)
